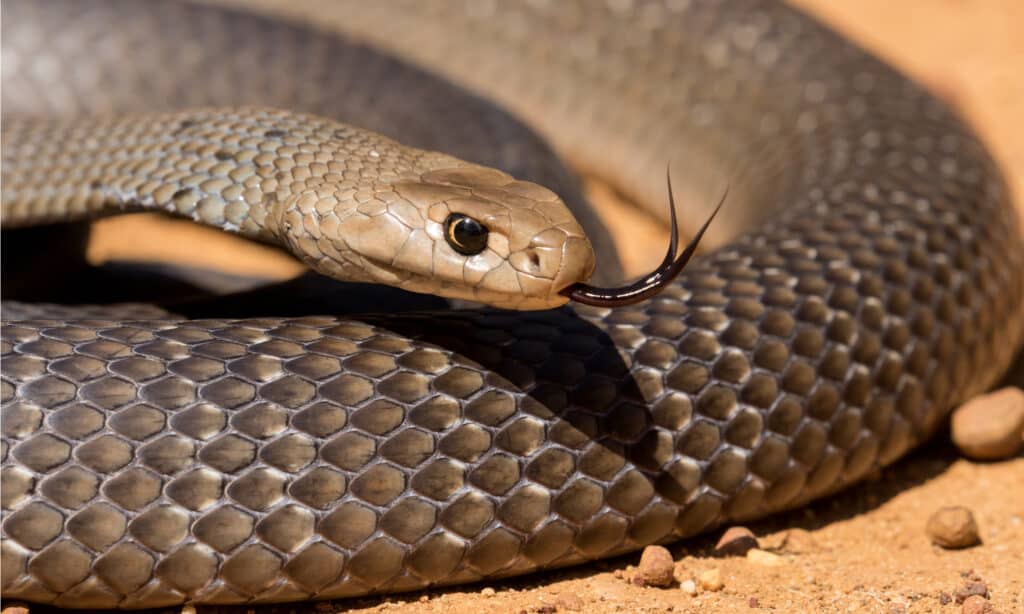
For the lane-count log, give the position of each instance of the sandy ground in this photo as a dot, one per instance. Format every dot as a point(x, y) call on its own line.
point(864, 550)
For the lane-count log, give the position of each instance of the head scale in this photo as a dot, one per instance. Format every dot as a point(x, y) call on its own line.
point(461, 231)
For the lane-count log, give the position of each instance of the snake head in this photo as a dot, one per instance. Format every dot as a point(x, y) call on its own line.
point(460, 231)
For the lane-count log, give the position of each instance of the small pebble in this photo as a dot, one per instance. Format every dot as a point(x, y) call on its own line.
point(15, 609)
point(689, 587)
point(990, 427)
point(944, 598)
point(764, 558)
point(711, 580)
point(545, 609)
point(798, 541)
point(953, 527)
point(570, 603)
point(971, 589)
point(976, 604)
point(754, 602)
point(655, 567)
point(736, 541)
point(487, 592)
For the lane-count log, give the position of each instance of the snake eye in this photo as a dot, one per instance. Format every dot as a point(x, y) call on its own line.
point(466, 235)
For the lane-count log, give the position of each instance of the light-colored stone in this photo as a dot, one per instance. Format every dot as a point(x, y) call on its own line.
point(689, 587)
point(487, 591)
point(711, 580)
point(953, 527)
point(764, 558)
point(656, 567)
point(798, 541)
point(990, 427)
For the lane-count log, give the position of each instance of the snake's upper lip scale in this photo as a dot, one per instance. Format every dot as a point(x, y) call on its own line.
point(655, 281)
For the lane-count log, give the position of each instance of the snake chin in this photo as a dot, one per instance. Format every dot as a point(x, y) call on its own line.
point(389, 274)
point(534, 246)
point(364, 268)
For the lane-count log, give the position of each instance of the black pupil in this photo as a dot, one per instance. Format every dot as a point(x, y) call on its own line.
point(466, 235)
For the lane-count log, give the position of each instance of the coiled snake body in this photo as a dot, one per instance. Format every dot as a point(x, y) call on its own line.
point(155, 461)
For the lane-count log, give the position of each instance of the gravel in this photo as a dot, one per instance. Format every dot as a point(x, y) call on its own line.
point(990, 427)
point(953, 528)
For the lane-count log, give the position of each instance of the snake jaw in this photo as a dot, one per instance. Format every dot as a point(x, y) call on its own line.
point(655, 281)
point(535, 245)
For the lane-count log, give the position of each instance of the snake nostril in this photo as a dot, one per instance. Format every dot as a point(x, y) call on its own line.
point(534, 258)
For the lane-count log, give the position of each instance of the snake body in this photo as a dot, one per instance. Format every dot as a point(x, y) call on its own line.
point(155, 461)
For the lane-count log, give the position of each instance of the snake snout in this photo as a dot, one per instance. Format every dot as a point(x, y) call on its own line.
point(552, 260)
point(578, 263)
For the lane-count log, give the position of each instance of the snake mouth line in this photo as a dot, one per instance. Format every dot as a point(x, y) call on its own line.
point(657, 280)
point(406, 276)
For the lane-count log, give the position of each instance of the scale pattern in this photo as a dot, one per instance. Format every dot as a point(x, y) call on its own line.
point(350, 203)
point(152, 462)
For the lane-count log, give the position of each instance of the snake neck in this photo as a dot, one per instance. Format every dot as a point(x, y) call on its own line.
point(351, 204)
point(242, 170)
